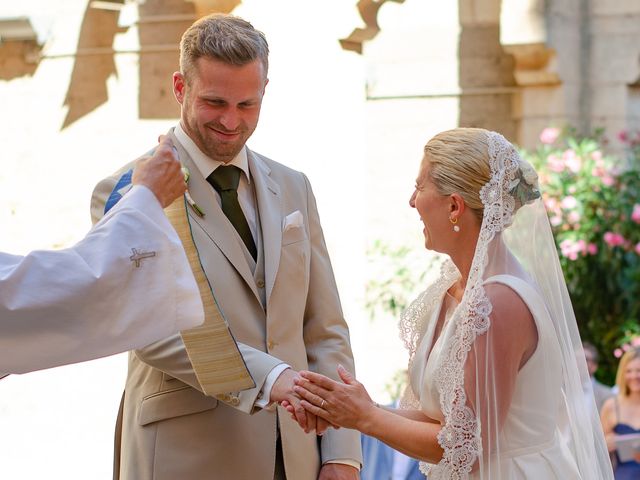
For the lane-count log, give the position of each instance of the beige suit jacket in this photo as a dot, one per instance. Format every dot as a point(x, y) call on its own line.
point(170, 430)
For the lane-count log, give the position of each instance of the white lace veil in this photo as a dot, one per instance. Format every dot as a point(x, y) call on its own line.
point(515, 240)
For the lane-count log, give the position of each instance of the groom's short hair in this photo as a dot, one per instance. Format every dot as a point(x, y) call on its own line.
point(223, 37)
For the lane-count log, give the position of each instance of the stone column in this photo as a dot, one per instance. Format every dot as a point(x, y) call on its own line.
point(486, 79)
point(540, 101)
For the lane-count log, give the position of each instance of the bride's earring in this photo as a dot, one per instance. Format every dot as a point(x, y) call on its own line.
point(456, 228)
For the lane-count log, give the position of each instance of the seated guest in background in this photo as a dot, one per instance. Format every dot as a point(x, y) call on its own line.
point(621, 413)
point(600, 391)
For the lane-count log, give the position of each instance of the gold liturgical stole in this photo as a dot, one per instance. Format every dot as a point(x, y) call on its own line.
point(214, 354)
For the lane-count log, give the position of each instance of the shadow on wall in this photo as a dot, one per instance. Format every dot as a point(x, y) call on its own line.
point(94, 62)
point(369, 13)
point(160, 26)
point(19, 48)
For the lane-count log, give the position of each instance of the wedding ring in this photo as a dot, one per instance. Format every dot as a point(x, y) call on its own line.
point(322, 404)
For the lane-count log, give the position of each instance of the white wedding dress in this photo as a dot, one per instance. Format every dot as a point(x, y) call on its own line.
point(529, 443)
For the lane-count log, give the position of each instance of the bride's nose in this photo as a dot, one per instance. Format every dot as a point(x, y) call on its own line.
point(412, 200)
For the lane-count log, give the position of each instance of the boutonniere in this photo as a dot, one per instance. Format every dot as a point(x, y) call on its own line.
point(187, 195)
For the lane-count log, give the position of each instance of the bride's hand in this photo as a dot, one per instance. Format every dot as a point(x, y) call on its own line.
point(342, 404)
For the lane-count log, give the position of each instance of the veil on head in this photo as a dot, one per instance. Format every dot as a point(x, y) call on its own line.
point(515, 242)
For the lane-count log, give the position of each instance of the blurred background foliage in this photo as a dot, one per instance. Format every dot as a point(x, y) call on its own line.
point(593, 201)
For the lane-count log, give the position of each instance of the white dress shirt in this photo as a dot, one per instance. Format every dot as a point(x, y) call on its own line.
point(207, 166)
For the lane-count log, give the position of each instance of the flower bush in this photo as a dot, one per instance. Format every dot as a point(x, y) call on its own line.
point(593, 201)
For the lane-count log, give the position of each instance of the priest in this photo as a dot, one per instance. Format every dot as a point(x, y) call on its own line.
point(126, 284)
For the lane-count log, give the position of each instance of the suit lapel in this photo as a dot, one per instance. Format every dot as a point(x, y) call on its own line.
point(214, 222)
point(269, 206)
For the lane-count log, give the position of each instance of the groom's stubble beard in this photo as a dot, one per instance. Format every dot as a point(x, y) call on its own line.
point(205, 140)
point(222, 151)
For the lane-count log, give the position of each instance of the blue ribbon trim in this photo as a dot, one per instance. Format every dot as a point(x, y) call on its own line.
point(121, 186)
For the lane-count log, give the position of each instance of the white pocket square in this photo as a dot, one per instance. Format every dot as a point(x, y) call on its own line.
point(293, 220)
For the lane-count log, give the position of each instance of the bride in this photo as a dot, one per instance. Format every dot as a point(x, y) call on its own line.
point(497, 372)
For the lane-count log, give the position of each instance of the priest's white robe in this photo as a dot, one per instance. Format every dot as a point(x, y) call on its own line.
point(125, 285)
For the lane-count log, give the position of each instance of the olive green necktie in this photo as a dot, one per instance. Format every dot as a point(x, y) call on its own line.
point(225, 180)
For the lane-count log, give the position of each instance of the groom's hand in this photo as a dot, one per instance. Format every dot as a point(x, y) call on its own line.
point(282, 390)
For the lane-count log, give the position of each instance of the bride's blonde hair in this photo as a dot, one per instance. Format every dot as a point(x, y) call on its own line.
point(459, 163)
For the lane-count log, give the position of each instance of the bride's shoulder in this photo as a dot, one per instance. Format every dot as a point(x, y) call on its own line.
point(513, 326)
point(507, 305)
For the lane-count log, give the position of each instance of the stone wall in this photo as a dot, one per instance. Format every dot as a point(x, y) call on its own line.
point(578, 66)
point(614, 70)
point(522, 65)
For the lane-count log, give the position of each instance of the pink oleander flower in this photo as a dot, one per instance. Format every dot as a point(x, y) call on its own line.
point(565, 246)
point(574, 217)
point(551, 203)
point(549, 135)
point(569, 202)
point(596, 155)
point(592, 249)
point(617, 352)
point(637, 249)
point(608, 180)
point(572, 161)
point(571, 249)
point(635, 215)
point(635, 342)
point(556, 164)
point(555, 220)
point(623, 136)
point(613, 239)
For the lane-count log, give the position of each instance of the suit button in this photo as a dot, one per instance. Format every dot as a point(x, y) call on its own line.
point(260, 283)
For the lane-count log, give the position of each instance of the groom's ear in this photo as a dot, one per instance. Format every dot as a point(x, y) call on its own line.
point(179, 85)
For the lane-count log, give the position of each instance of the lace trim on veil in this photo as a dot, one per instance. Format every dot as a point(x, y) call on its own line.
point(460, 436)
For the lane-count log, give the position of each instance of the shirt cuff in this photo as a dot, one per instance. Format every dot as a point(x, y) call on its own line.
point(264, 397)
point(345, 461)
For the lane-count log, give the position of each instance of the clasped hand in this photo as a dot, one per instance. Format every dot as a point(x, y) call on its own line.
point(339, 404)
point(283, 392)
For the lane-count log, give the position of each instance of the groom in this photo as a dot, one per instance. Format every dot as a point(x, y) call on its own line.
point(259, 239)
